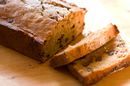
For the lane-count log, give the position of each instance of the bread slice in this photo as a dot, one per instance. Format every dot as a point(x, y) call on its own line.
point(88, 44)
point(110, 58)
point(39, 28)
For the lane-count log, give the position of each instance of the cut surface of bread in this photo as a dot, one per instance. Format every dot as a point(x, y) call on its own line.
point(88, 44)
point(110, 58)
point(39, 28)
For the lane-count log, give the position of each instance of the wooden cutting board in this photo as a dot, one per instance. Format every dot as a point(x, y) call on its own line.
point(19, 70)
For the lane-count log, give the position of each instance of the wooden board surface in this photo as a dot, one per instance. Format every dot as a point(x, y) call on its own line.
point(19, 70)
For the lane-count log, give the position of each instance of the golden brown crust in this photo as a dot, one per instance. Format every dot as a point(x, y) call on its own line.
point(52, 24)
point(85, 46)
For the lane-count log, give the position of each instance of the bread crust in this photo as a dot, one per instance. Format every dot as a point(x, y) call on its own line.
point(39, 28)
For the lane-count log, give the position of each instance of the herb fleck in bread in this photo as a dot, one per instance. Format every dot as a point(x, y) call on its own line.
point(88, 44)
point(39, 28)
point(110, 58)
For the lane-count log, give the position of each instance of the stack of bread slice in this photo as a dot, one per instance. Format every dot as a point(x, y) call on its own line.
point(95, 56)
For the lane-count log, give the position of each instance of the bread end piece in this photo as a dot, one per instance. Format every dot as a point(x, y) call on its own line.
point(88, 44)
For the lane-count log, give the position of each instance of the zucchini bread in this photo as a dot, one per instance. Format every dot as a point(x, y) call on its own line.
point(110, 58)
point(39, 28)
point(89, 43)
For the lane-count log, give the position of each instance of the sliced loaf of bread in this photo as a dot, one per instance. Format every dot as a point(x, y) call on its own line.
point(39, 28)
point(91, 42)
point(93, 67)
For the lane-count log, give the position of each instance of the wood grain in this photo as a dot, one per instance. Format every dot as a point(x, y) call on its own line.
point(19, 70)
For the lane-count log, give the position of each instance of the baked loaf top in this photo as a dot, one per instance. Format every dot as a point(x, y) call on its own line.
point(89, 43)
point(105, 60)
point(35, 17)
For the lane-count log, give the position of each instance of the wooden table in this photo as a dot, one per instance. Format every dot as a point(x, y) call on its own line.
point(19, 70)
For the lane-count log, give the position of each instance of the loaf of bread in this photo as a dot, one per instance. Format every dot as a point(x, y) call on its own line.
point(88, 44)
point(110, 58)
point(39, 28)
